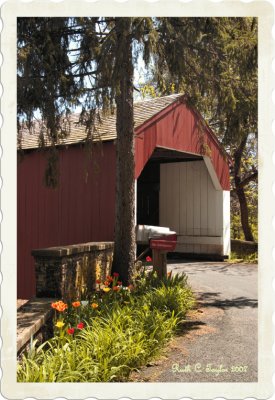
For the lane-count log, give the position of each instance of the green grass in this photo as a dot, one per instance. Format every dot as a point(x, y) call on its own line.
point(126, 332)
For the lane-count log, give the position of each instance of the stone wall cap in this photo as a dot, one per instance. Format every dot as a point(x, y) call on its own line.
point(62, 251)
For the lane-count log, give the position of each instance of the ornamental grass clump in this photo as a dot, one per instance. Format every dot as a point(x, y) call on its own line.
point(113, 333)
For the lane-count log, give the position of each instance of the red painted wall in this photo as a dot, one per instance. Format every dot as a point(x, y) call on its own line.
point(176, 127)
point(81, 209)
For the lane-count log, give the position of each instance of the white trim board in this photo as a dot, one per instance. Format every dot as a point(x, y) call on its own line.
point(212, 173)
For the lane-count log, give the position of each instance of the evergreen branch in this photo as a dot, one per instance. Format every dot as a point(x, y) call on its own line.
point(71, 75)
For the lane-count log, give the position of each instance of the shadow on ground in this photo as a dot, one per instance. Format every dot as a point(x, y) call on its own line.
point(188, 326)
point(240, 269)
point(210, 299)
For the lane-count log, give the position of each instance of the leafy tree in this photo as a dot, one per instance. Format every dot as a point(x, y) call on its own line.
point(65, 63)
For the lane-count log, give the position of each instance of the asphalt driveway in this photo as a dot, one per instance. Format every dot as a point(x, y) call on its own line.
point(219, 341)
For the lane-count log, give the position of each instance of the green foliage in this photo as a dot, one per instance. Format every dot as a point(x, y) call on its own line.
point(172, 299)
point(242, 257)
point(126, 331)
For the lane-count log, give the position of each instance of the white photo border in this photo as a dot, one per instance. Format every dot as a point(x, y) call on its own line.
point(264, 10)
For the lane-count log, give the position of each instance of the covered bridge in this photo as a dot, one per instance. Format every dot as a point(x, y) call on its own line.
point(182, 182)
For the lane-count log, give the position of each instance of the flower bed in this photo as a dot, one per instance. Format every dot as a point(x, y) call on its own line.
point(108, 333)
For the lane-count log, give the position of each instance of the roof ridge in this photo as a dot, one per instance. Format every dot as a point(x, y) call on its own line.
point(143, 111)
point(159, 97)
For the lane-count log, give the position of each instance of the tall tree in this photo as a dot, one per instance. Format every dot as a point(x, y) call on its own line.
point(124, 253)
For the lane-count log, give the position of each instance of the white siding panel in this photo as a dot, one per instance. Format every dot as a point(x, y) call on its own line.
point(197, 198)
point(189, 199)
point(203, 211)
point(194, 208)
point(226, 222)
point(189, 248)
point(204, 199)
point(211, 208)
point(183, 199)
point(219, 212)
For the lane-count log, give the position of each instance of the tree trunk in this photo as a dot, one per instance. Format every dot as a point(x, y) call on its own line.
point(244, 212)
point(124, 251)
point(240, 191)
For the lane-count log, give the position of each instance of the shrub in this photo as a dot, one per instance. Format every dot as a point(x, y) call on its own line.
point(104, 343)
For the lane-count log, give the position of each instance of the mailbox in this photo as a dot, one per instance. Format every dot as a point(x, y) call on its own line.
point(167, 243)
point(147, 234)
point(161, 240)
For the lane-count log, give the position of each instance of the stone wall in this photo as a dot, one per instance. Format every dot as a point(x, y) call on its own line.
point(34, 323)
point(65, 272)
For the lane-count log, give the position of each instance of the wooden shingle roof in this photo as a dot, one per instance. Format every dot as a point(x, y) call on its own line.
point(106, 130)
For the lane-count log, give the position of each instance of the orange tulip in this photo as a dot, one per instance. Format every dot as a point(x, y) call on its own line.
point(59, 306)
point(76, 304)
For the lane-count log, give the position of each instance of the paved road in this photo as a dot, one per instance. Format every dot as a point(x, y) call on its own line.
point(219, 343)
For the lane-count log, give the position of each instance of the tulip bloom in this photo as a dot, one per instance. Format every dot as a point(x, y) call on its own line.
point(59, 324)
point(76, 304)
point(94, 305)
point(116, 274)
point(59, 306)
point(106, 289)
point(148, 259)
point(70, 331)
point(80, 325)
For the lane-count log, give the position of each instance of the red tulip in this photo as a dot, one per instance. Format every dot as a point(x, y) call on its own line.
point(80, 325)
point(116, 274)
point(70, 331)
point(148, 259)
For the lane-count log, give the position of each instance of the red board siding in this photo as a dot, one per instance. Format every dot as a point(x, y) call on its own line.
point(176, 128)
point(81, 209)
